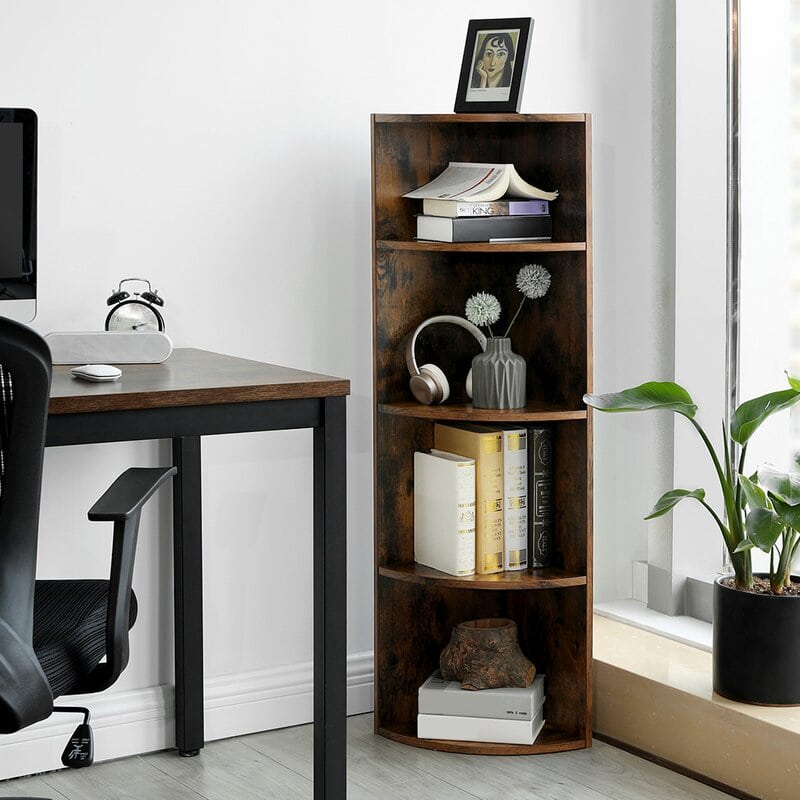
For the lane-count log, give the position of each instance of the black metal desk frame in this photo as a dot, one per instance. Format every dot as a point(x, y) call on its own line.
point(184, 425)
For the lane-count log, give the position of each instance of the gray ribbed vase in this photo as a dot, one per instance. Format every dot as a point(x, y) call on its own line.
point(498, 376)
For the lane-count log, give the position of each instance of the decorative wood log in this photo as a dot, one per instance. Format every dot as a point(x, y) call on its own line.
point(485, 654)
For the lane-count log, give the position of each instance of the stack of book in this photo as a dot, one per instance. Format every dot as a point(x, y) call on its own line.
point(506, 716)
point(483, 499)
point(471, 202)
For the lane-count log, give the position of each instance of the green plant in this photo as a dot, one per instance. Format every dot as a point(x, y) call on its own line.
point(762, 510)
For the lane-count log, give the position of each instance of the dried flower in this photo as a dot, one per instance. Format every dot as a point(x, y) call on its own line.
point(533, 280)
point(483, 309)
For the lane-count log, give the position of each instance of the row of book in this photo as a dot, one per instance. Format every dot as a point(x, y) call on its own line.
point(470, 202)
point(483, 499)
point(498, 221)
point(507, 715)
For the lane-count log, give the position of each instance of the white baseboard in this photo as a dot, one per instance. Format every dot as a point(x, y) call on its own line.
point(143, 720)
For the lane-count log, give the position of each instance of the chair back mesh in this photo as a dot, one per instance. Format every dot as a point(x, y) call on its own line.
point(25, 696)
point(6, 403)
point(25, 394)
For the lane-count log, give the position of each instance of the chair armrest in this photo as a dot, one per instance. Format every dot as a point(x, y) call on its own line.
point(129, 493)
point(121, 504)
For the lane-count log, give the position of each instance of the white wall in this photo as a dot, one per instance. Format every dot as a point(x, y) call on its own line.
point(221, 149)
point(701, 306)
point(634, 229)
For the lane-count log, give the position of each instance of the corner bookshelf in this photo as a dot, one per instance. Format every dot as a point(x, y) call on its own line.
point(416, 607)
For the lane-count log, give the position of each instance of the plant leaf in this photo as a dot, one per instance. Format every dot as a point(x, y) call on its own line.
point(750, 414)
point(785, 485)
point(789, 514)
point(745, 544)
point(794, 382)
point(654, 395)
point(670, 499)
point(756, 497)
point(763, 528)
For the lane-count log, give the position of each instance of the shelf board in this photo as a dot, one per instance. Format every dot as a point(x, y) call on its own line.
point(550, 740)
point(482, 247)
point(541, 578)
point(533, 412)
point(527, 119)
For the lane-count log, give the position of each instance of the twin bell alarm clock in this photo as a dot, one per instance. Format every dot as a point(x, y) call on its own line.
point(137, 311)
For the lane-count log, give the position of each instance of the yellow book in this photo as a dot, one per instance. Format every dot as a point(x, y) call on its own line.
point(486, 447)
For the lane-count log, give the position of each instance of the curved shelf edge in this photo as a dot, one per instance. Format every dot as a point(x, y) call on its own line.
point(541, 578)
point(548, 741)
point(535, 412)
point(481, 247)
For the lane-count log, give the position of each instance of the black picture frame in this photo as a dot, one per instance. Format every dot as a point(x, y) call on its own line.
point(510, 35)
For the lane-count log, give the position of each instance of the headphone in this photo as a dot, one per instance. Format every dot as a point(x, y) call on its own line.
point(428, 383)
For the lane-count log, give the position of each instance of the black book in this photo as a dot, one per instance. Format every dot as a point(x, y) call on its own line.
point(484, 229)
point(540, 497)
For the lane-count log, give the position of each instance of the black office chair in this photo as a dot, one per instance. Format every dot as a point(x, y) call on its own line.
point(54, 634)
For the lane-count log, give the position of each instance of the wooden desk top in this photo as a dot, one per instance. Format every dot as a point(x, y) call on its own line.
point(189, 377)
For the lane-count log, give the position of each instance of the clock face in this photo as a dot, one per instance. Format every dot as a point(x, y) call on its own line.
point(133, 315)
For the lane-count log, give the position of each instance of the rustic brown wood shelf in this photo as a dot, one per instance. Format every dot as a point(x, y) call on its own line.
point(542, 578)
point(416, 608)
point(533, 412)
point(550, 740)
point(484, 247)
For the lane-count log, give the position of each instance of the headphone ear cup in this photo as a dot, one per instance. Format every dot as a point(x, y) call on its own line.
point(439, 381)
point(429, 386)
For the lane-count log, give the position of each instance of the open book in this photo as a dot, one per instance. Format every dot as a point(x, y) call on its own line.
point(479, 182)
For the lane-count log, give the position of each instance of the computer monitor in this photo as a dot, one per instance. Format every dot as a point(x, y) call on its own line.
point(18, 214)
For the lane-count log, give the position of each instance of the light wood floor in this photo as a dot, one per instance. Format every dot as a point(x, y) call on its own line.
point(277, 764)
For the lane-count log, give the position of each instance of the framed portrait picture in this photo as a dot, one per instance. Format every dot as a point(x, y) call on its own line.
point(493, 67)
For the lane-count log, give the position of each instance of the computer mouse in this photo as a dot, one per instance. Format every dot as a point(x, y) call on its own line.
point(96, 372)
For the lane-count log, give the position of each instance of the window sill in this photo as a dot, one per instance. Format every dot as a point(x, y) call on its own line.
point(686, 630)
point(654, 694)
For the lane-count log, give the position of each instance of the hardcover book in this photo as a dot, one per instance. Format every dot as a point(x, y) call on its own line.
point(515, 499)
point(479, 729)
point(484, 229)
point(444, 512)
point(492, 208)
point(540, 496)
point(486, 448)
point(438, 696)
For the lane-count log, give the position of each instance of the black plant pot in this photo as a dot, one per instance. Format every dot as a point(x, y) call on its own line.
point(756, 652)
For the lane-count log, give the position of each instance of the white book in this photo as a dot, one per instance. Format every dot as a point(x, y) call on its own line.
point(490, 208)
point(438, 696)
point(515, 499)
point(444, 512)
point(479, 182)
point(479, 729)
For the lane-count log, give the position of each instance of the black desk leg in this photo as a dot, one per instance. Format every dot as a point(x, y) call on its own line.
point(188, 548)
point(330, 602)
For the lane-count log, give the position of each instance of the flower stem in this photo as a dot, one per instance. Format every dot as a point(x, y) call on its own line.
point(514, 319)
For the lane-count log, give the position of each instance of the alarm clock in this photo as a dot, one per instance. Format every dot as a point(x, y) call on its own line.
point(136, 312)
